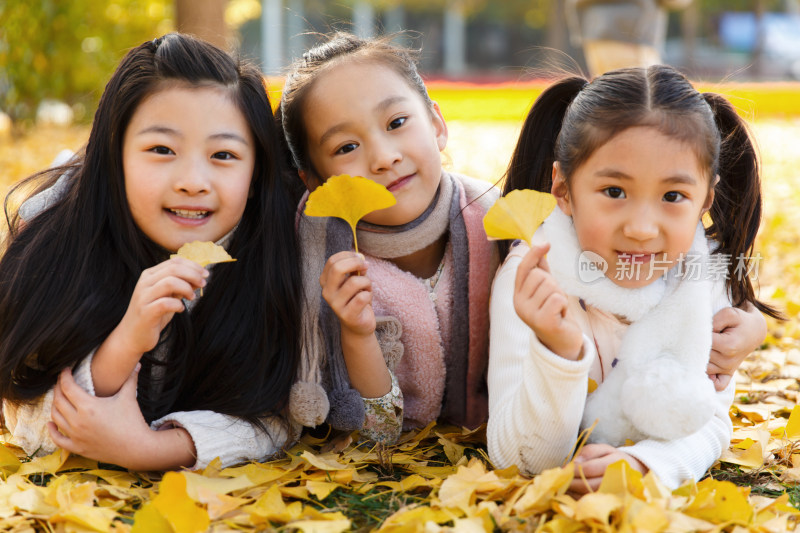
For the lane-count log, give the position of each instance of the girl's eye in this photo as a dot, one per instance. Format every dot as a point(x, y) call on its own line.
point(673, 196)
point(614, 192)
point(347, 148)
point(161, 150)
point(225, 156)
point(396, 123)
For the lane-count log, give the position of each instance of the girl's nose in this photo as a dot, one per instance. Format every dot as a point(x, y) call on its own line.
point(192, 177)
point(641, 225)
point(383, 157)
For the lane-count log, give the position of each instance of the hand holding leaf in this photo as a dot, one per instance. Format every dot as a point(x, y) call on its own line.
point(349, 198)
point(203, 253)
point(518, 214)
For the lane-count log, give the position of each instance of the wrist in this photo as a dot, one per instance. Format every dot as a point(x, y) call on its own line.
point(112, 363)
point(636, 464)
point(166, 448)
point(365, 364)
point(565, 350)
point(357, 335)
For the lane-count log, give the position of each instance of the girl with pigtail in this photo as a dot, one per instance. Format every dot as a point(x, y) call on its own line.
point(612, 331)
point(394, 337)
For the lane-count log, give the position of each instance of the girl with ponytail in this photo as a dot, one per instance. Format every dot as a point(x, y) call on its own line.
point(612, 331)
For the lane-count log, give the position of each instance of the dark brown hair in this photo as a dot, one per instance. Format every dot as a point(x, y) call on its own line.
point(574, 117)
point(340, 47)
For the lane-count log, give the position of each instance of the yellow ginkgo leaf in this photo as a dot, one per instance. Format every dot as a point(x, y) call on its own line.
point(793, 425)
point(348, 198)
point(518, 214)
point(175, 505)
point(203, 253)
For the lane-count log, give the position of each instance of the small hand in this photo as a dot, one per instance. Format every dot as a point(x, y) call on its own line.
point(113, 430)
point(105, 429)
point(156, 298)
point(349, 292)
point(737, 332)
point(591, 464)
point(542, 305)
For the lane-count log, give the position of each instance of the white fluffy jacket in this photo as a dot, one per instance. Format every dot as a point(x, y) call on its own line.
point(659, 388)
point(657, 395)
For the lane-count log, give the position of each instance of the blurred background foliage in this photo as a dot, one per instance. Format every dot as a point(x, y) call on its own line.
point(66, 50)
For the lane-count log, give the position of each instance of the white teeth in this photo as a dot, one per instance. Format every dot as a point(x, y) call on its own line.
point(185, 213)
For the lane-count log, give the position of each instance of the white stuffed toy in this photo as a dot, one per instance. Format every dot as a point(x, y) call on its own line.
point(658, 388)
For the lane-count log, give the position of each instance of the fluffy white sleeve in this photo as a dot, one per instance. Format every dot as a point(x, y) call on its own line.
point(27, 423)
point(536, 398)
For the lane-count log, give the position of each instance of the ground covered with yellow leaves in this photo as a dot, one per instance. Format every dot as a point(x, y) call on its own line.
point(434, 480)
point(440, 479)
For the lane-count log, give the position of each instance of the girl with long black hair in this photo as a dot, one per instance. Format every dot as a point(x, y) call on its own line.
point(107, 348)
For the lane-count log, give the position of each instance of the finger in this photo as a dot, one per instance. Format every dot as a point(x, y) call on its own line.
point(61, 422)
point(593, 451)
point(531, 283)
point(584, 485)
point(724, 344)
point(546, 290)
point(533, 257)
point(543, 264)
point(555, 305)
point(61, 402)
point(721, 381)
point(166, 305)
point(596, 467)
point(713, 368)
point(73, 393)
point(176, 266)
point(340, 267)
point(358, 303)
point(174, 286)
point(60, 440)
point(725, 318)
point(358, 311)
point(339, 297)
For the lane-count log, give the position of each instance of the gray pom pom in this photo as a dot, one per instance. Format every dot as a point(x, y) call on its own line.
point(347, 410)
point(308, 403)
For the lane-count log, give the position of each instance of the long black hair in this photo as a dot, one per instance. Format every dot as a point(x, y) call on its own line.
point(573, 117)
point(67, 275)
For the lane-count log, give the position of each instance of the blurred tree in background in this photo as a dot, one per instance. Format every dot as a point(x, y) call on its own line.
point(67, 50)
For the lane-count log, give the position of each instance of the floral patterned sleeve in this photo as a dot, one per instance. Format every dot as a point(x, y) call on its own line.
point(384, 416)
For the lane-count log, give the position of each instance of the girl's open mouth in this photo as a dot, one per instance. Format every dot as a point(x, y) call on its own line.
point(636, 258)
point(188, 214)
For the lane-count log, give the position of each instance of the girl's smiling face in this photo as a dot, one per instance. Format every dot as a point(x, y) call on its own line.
point(364, 119)
point(636, 202)
point(188, 158)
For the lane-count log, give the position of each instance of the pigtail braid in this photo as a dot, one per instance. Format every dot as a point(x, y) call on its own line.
point(531, 165)
point(736, 211)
